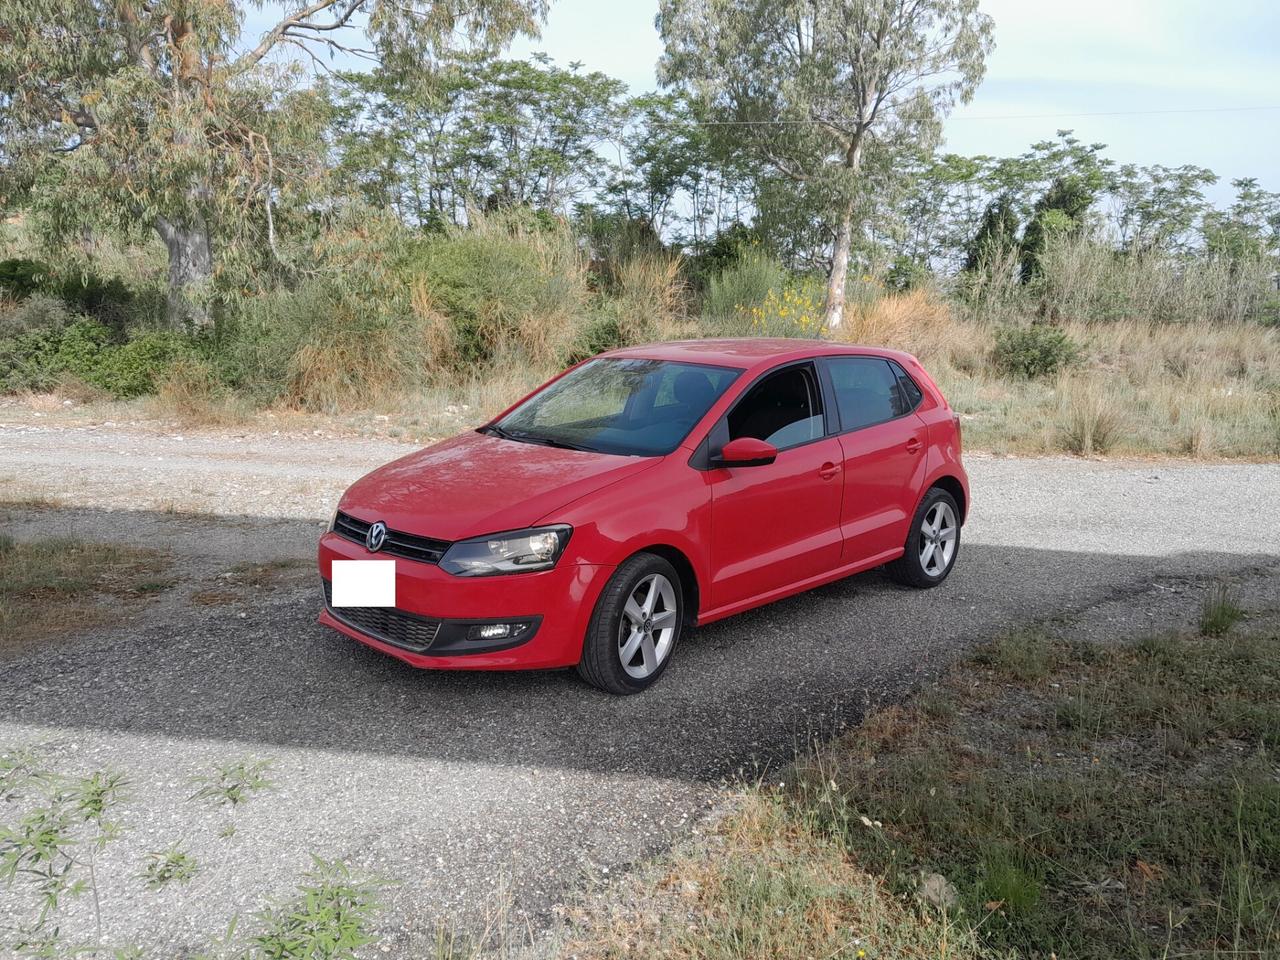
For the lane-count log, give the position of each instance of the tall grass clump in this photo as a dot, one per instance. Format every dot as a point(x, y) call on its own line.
point(651, 297)
point(916, 320)
point(744, 284)
point(322, 348)
point(509, 283)
point(1083, 278)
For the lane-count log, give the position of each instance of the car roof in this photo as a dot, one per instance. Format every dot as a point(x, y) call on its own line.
point(746, 353)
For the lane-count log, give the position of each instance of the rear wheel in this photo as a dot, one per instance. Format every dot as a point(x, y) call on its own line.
point(635, 626)
point(933, 542)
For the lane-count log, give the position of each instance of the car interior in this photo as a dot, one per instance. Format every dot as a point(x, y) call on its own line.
point(784, 409)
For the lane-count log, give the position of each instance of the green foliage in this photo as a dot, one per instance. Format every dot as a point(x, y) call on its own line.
point(506, 281)
point(744, 284)
point(233, 783)
point(171, 865)
point(55, 846)
point(1220, 611)
point(997, 236)
point(20, 277)
point(329, 919)
point(1038, 350)
point(1059, 212)
point(85, 350)
point(906, 274)
point(35, 314)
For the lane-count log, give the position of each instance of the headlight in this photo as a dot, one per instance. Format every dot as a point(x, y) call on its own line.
point(520, 551)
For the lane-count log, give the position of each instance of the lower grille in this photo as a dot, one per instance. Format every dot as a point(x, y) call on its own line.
point(388, 624)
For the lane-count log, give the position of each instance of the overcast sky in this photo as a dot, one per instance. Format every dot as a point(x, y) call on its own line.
point(1051, 58)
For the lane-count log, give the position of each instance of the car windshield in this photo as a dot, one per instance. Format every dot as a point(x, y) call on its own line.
point(638, 408)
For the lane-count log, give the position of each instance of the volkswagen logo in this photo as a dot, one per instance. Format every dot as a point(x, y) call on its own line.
point(376, 537)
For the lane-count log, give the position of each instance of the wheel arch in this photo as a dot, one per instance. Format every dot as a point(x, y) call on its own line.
point(689, 587)
point(953, 486)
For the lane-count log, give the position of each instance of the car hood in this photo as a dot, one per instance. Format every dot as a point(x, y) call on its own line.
point(476, 484)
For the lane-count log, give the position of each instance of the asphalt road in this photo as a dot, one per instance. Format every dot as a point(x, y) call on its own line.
point(473, 790)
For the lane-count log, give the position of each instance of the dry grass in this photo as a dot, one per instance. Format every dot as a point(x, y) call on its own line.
point(192, 394)
point(59, 586)
point(652, 297)
point(916, 321)
point(765, 887)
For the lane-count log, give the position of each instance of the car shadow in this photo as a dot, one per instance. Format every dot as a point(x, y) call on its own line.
point(740, 695)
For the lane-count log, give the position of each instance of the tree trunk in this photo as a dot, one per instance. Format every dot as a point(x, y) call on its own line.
point(190, 266)
point(844, 243)
point(839, 268)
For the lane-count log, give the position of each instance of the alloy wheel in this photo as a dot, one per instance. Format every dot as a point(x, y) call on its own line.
point(648, 626)
point(938, 532)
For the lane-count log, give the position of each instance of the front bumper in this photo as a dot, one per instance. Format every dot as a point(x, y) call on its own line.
point(556, 603)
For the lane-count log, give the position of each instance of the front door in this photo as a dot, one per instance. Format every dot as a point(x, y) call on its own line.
point(777, 524)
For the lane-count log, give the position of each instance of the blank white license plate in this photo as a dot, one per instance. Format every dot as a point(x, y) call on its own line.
point(364, 583)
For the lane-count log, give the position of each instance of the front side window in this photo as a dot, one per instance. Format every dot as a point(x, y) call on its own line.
point(623, 406)
point(784, 409)
point(867, 391)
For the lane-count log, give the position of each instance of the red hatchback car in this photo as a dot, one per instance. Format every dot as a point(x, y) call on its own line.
point(642, 492)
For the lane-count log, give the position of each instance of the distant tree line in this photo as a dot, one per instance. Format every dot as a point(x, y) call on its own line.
point(810, 128)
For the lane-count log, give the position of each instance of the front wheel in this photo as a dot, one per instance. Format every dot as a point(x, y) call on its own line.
point(933, 542)
point(635, 626)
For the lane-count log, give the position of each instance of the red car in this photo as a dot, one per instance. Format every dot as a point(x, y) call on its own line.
point(645, 491)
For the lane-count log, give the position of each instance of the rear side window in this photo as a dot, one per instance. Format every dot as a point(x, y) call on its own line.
point(911, 394)
point(870, 391)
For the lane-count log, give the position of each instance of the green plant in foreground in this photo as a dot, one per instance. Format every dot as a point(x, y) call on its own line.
point(168, 866)
point(1220, 612)
point(57, 846)
point(328, 919)
point(233, 783)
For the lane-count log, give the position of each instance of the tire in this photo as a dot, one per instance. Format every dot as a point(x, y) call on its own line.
point(919, 566)
point(627, 648)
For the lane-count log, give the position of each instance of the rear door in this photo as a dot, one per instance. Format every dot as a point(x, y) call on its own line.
point(883, 447)
point(777, 524)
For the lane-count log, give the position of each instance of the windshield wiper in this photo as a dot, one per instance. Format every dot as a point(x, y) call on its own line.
point(535, 438)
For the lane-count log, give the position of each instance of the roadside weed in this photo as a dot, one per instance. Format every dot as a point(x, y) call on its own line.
point(171, 865)
point(233, 783)
point(1024, 655)
point(328, 919)
point(54, 853)
point(1220, 611)
point(57, 844)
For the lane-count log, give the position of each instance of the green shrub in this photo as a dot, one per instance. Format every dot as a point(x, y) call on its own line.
point(37, 313)
point(84, 349)
point(1039, 350)
point(745, 284)
point(321, 347)
point(505, 282)
point(20, 277)
point(907, 274)
point(602, 332)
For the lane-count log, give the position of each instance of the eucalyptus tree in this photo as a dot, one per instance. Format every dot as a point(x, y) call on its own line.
point(805, 87)
point(176, 116)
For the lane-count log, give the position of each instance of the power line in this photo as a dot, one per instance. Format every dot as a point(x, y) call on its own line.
point(1008, 116)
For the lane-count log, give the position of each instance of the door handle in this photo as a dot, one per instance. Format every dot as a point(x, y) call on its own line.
point(914, 445)
point(828, 470)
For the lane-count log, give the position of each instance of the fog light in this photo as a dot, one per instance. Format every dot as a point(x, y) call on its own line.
point(495, 631)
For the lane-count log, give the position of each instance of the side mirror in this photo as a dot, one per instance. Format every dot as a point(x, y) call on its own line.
point(746, 452)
